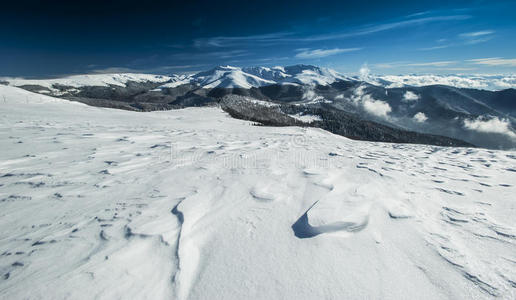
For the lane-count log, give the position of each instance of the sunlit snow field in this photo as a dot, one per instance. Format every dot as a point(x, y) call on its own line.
point(192, 204)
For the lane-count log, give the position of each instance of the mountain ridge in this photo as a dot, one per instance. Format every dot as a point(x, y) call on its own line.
point(480, 117)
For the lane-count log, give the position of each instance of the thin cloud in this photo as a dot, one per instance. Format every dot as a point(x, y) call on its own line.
point(467, 38)
point(495, 61)
point(292, 37)
point(457, 69)
point(432, 64)
point(476, 33)
point(401, 64)
point(318, 53)
point(224, 41)
point(479, 40)
point(434, 48)
point(477, 37)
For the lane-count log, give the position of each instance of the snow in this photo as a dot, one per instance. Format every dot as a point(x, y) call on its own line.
point(229, 77)
point(177, 80)
point(261, 102)
point(235, 77)
point(194, 204)
point(306, 118)
point(89, 80)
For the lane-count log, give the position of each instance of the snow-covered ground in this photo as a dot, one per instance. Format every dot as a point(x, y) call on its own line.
point(306, 118)
point(192, 204)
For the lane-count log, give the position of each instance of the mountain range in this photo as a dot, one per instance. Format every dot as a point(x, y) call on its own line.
point(465, 110)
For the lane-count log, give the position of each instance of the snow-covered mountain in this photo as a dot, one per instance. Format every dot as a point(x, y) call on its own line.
point(219, 77)
point(459, 107)
point(228, 77)
point(77, 81)
point(297, 74)
point(235, 77)
point(192, 204)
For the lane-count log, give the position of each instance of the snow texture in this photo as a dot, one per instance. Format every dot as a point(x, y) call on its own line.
point(98, 203)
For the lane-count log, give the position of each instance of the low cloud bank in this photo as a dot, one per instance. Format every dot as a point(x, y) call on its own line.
point(490, 125)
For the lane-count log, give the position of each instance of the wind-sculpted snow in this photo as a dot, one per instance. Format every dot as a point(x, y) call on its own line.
point(192, 204)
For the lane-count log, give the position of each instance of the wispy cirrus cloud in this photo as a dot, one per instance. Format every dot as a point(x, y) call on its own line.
point(225, 41)
point(432, 64)
point(293, 37)
point(464, 39)
point(477, 37)
point(476, 33)
point(319, 53)
point(404, 64)
point(434, 48)
point(213, 54)
point(495, 61)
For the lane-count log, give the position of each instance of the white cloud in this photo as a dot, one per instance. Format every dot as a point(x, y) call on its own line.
point(364, 72)
point(420, 117)
point(490, 125)
point(309, 94)
point(410, 96)
point(375, 107)
point(476, 33)
point(318, 53)
point(340, 96)
point(495, 61)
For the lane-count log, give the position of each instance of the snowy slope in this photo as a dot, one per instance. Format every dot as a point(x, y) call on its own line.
point(89, 80)
point(193, 204)
point(485, 82)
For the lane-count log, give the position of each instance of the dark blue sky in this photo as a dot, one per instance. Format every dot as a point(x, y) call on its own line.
point(52, 38)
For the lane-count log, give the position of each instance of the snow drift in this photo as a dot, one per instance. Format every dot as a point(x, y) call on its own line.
point(192, 204)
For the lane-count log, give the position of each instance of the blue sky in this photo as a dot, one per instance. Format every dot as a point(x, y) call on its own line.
point(389, 37)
